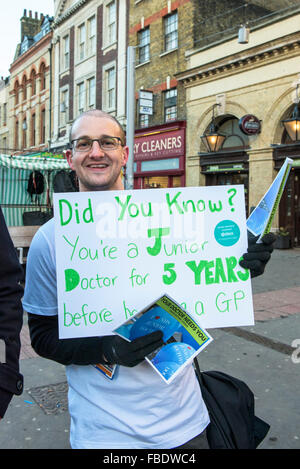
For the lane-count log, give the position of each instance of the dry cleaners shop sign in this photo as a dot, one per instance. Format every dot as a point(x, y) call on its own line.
point(155, 145)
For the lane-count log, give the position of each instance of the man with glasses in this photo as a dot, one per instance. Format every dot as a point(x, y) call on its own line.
point(135, 409)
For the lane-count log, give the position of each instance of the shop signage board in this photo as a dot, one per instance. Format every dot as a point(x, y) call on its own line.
point(146, 102)
point(250, 124)
point(159, 145)
point(116, 251)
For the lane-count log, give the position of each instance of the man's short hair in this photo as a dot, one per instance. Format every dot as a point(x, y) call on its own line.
point(98, 113)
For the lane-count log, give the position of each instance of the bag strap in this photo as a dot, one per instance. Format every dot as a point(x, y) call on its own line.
point(197, 370)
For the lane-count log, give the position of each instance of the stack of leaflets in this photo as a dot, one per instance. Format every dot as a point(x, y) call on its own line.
point(183, 337)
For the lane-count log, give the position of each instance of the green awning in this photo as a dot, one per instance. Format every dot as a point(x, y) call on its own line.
point(33, 163)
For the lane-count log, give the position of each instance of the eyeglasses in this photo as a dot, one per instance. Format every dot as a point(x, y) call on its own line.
point(104, 142)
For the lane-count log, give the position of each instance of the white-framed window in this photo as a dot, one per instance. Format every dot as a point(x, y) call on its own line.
point(109, 89)
point(64, 106)
point(81, 97)
point(171, 31)
point(144, 120)
point(110, 23)
point(4, 113)
point(91, 92)
point(66, 52)
point(92, 35)
point(170, 105)
point(144, 45)
point(81, 41)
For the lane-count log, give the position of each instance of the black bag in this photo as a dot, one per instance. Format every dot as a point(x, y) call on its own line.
point(65, 181)
point(35, 183)
point(230, 404)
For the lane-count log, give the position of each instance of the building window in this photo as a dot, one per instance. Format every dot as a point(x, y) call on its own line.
point(42, 77)
point(64, 105)
point(16, 89)
point(81, 100)
point(33, 130)
point(33, 82)
point(24, 88)
point(144, 45)
point(81, 42)
point(171, 31)
point(91, 92)
point(43, 126)
point(111, 90)
point(92, 34)
point(4, 113)
point(144, 120)
point(24, 132)
point(66, 52)
point(17, 135)
point(111, 22)
point(170, 105)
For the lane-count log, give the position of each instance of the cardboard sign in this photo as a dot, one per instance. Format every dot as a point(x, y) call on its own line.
point(119, 250)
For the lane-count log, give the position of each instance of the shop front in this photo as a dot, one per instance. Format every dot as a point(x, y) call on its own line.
point(289, 209)
point(226, 169)
point(159, 156)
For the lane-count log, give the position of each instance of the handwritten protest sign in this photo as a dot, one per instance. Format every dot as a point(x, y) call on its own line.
point(116, 251)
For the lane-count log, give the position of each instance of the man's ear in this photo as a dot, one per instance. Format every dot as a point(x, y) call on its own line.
point(69, 158)
point(125, 155)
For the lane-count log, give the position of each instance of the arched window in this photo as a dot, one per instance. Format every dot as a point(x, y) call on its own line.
point(16, 89)
point(33, 82)
point(17, 135)
point(43, 76)
point(24, 83)
point(24, 133)
point(33, 130)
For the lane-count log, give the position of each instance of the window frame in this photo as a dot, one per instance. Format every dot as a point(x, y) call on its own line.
point(144, 45)
point(170, 106)
point(92, 34)
point(108, 91)
point(81, 41)
point(170, 33)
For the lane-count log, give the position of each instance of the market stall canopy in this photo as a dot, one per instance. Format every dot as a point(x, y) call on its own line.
point(33, 162)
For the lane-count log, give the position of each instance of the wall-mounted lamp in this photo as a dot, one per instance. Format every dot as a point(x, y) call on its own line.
point(292, 125)
point(244, 31)
point(243, 37)
point(212, 139)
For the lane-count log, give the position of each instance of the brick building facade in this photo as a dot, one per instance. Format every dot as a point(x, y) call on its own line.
point(30, 84)
point(89, 62)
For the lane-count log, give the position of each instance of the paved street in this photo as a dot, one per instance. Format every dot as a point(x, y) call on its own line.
point(261, 355)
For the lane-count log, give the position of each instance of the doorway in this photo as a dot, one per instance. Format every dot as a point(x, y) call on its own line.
point(228, 179)
point(289, 211)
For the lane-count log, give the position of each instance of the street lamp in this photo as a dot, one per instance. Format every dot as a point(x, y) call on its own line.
point(292, 125)
point(212, 139)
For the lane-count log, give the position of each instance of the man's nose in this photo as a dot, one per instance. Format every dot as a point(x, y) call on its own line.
point(96, 150)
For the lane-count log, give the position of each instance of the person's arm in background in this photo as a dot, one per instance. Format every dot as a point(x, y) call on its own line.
point(11, 318)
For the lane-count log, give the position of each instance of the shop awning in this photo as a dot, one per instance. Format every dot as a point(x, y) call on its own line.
point(33, 162)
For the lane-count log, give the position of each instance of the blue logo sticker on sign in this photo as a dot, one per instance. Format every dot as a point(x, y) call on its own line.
point(227, 233)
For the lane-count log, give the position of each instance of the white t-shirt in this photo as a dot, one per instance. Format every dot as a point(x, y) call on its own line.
point(136, 409)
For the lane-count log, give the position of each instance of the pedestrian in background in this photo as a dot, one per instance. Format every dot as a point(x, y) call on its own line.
point(11, 318)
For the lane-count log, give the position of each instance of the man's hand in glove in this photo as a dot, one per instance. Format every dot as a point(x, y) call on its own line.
point(121, 352)
point(258, 254)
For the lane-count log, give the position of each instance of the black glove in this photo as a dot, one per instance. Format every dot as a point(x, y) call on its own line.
point(121, 352)
point(258, 254)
